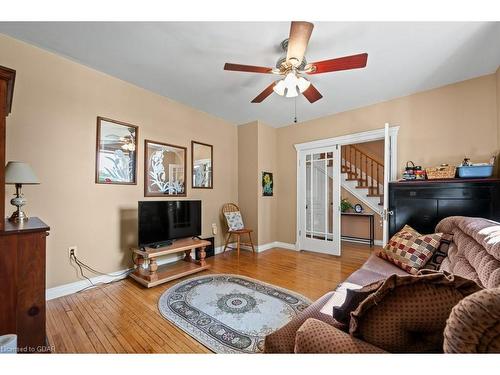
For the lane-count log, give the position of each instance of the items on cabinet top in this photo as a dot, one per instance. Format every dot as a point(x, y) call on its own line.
point(466, 169)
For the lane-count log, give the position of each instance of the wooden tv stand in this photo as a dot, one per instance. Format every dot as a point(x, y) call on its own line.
point(154, 275)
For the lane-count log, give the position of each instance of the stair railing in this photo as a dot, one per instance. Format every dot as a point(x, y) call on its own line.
point(353, 160)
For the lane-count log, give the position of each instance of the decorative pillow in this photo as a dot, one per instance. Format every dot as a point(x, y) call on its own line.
point(353, 297)
point(234, 220)
point(407, 314)
point(409, 250)
point(440, 254)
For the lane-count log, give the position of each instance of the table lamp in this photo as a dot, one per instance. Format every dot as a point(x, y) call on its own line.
point(19, 173)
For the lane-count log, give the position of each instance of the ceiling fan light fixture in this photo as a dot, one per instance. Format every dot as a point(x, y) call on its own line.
point(303, 84)
point(291, 86)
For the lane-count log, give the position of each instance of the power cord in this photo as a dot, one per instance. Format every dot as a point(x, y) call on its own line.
point(81, 265)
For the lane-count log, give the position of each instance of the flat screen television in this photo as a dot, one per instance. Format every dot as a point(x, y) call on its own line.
point(161, 222)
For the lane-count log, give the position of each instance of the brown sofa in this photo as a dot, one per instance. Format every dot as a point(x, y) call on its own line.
point(472, 326)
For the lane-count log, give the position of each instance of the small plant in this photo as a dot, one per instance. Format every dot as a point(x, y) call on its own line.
point(345, 205)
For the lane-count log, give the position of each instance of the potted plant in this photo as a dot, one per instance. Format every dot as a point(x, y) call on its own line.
point(345, 205)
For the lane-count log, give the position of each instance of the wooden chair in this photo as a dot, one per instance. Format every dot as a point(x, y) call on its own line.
point(231, 207)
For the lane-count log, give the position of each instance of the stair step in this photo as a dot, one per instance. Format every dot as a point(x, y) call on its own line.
point(375, 195)
point(353, 179)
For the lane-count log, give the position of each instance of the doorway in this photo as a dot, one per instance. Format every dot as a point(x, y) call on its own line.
point(319, 182)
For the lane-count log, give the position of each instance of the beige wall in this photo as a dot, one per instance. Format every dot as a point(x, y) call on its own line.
point(53, 127)
point(257, 153)
point(248, 175)
point(437, 126)
point(268, 206)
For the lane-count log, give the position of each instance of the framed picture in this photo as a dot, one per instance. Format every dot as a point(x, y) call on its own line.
point(267, 184)
point(202, 156)
point(164, 169)
point(116, 152)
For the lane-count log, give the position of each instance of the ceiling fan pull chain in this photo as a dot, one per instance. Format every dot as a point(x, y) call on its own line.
point(295, 103)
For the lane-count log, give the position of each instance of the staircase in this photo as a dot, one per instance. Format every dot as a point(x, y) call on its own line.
point(363, 177)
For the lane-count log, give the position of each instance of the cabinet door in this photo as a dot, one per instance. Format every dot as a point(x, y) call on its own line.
point(8, 279)
point(464, 207)
point(420, 214)
point(31, 290)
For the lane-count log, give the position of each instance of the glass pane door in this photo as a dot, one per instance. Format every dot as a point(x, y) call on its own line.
point(320, 219)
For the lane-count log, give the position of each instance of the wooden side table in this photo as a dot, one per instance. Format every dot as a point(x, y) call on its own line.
point(154, 274)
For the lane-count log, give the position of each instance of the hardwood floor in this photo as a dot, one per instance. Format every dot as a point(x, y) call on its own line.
point(123, 317)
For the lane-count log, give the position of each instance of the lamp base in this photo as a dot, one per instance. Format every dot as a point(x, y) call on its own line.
point(18, 217)
point(18, 201)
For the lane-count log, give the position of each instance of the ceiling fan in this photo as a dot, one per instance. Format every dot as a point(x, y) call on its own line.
point(294, 65)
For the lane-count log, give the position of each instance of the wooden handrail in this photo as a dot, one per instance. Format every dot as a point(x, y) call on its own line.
point(373, 169)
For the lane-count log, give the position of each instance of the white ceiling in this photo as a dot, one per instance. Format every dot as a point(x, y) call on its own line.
point(184, 60)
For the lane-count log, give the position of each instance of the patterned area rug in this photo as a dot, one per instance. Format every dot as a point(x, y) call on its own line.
point(230, 313)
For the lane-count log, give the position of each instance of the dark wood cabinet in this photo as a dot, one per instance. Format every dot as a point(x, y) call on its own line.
point(22, 255)
point(422, 204)
point(22, 280)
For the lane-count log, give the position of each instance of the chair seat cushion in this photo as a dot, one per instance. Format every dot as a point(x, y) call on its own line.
point(241, 231)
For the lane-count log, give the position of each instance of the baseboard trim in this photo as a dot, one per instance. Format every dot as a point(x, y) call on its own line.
point(71, 288)
point(285, 245)
point(267, 246)
point(376, 242)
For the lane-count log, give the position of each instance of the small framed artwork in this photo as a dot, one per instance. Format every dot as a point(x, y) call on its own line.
point(202, 156)
point(116, 152)
point(267, 184)
point(164, 169)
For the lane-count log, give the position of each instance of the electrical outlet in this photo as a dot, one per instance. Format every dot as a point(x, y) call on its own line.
point(72, 251)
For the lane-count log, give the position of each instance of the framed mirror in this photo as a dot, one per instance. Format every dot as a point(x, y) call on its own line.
point(202, 156)
point(164, 169)
point(116, 152)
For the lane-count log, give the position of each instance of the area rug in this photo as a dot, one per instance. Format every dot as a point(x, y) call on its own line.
point(230, 313)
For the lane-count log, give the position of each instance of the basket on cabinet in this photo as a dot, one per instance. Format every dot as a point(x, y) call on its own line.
point(441, 172)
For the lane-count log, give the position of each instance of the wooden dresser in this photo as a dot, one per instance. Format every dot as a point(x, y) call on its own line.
point(422, 204)
point(22, 255)
point(22, 280)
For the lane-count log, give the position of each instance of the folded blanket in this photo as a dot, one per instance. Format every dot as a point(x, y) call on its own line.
point(475, 250)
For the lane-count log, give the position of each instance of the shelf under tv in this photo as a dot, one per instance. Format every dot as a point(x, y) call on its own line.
point(154, 275)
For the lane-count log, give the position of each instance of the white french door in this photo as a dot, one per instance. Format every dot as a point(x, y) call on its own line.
point(319, 200)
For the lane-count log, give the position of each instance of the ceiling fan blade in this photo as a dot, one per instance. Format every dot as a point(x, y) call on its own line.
point(247, 68)
point(312, 94)
point(264, 94)
point(341, 63)
point(300, 32)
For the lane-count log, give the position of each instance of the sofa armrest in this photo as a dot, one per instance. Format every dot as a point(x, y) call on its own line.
point(315, 336)
point(283, 340)
point(474, 324)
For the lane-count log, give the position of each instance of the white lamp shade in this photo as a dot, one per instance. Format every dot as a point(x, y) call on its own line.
point(17, 172)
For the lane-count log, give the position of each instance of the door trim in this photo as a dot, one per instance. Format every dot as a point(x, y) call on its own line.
point(370, 135)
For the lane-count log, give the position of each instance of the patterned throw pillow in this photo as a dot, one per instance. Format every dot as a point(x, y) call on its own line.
point(442, 252)
point(234, 220)
point(410, 250)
